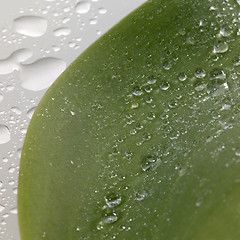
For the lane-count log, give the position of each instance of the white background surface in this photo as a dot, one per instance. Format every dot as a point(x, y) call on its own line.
point(43, 57)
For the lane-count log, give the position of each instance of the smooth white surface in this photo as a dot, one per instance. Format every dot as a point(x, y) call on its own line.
point(35, 37)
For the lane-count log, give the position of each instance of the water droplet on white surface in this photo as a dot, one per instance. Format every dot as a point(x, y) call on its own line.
point(2, 208)
point(16, 110)
point(31, 112)
point(10, 64)
point(102, 10)
point(62, 32)
point(83, 7)
point(4, 134)
point(14, 211)
point(41, 74)
point(31, 26)
point(1, 97)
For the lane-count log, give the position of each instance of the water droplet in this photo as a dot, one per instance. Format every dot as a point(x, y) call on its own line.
point(31, 112)
point(217, 74)
point(4, 134)
point(64, 31)
point(148, 88)
point(113, 199)
point(41, 74)
point(238, 1)
point(83, 7)
point(16, 110)
point(220, 47)
point(14, 211)
point(109, 216)
point(102, 10)
point(134, 105)
point(2, 208)
point(200, 73)
point(137, 91)
point(152, 80)
point(150, 162)
point(225, 31)
point(167, 65)
point(146, 136)
point(31, 26)
point(236, 61)
point(151, 116)
point(140, 195)
point(164, 85)
point(182, 76)
point(1, 97)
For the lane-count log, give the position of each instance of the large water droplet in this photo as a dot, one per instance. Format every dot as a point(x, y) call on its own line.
point(62, 32)
point(83, 7)
point(31, 26)
point(220, 47)
point(4, 134)
point(150, 162)
point(113, 199)
point(41, 74)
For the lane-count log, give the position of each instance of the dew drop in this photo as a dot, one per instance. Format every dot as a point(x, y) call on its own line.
point(151, 116)
point(140, 195)
point(4, 134)
point(41, 74)
point(225, 31)
point(164, 85)
point(236, 61)
point(200, 73)
point(182, 76)
point(137, 91)
point(167, 65)
point(83, 7)
point(113, 199)
point(150, 162)
point(31, 26)
point(109, 216)
point(64, 31)
point(220, 47)
point(14, 211)
point(217, 74)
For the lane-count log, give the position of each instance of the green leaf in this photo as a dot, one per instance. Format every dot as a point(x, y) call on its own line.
point(140, 137)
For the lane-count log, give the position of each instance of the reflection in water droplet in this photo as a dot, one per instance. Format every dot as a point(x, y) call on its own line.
point(4, 134)
point(41, 74)
point(83, 7)
point(113, 199)
point(109, 216)
point(31, 26)
point(220, 47)
point(150, 162)
point(62, 32)
point(200, 73)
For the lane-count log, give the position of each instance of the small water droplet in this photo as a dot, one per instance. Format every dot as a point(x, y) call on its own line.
point(113, 199)
point(151, 116)
point(167, 65)
point(102, 10)
point(31, 112)
point(220, 47)
point(200, 73)
point(134, 105)
point(14, 211)
point(109, 216)
point(4, 134)
point(236, 61)
point(164, 85)
point(83, 7)
point(140, 195)
point(137, 91)
point(1, 97)
point(182, 76)
point(225, 31)
point(64, 31)
point(31, 26)
point(150, 162)
point(217, 74)
point(2, 208)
